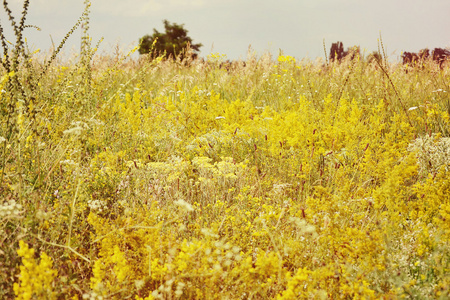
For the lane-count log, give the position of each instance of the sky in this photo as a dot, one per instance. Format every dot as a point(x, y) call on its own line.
point(297, 27)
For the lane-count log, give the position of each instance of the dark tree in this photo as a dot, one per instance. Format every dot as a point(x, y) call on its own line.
point(173, 42)
point(440, 56)
point(337, 51)
point(424, 54)
point(415, 58)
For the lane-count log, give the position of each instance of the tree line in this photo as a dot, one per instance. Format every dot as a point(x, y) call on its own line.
point(175, 43)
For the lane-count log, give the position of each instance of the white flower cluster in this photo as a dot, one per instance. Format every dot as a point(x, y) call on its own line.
point(97, 205)
point(432, 153)
point(77, 128)
point(96, 122)
point(68, 162)
point(92, 296)
point(280, 188)
point(43, 215)
point(166, 288)
point(212, 138)
point(208, 232)
point(10, 209)
point(303, 227)
point(183, 205)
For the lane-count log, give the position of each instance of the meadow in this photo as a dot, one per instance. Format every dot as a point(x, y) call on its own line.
point(275, 178)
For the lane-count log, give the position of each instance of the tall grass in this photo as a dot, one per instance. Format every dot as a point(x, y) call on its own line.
point(274, 178)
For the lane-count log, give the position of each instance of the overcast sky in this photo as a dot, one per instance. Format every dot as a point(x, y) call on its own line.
point(298, 27)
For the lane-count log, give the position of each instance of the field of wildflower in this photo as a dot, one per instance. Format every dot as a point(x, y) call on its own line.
point(271, 178)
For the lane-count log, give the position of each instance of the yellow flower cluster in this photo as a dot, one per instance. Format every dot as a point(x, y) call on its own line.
point(274, 179)
point(35, 279)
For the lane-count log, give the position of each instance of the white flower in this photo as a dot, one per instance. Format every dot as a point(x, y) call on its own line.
point(97, 205)
point(184, 205)
point(68, 162)
point(75, 130)
point(432, 153)
point(208, 232)
point(10, 209)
